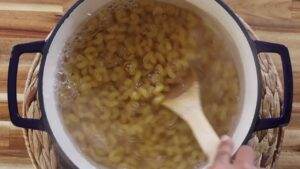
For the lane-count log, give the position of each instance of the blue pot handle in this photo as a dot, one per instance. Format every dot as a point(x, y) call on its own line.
point(17, 51)
point(285, 116)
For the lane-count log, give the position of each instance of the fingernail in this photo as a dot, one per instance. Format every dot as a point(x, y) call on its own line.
point(225, 138)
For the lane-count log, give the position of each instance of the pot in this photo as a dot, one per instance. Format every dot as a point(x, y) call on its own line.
point(228, 22)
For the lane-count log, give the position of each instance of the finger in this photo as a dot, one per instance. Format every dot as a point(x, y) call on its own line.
point(245, 156)
point(224, 151)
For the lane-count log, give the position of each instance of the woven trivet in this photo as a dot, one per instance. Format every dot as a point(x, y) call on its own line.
point(44, 152)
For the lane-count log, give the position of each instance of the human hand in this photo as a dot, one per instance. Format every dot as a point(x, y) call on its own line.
point(244, 158)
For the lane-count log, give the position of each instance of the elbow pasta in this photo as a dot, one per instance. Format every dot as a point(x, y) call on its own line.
point(116, 74)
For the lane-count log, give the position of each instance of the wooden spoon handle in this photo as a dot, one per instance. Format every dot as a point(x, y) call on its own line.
point(204, 133)
point(188, 107)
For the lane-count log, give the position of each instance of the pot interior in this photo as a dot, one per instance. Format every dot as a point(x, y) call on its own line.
point(223, 23)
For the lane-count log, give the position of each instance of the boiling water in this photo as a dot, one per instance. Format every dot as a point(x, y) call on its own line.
point(115, 73)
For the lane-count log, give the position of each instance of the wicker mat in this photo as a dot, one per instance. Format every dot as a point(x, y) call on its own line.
point(43, 150)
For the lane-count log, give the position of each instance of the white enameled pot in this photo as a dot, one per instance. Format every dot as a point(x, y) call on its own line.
point(229, 25)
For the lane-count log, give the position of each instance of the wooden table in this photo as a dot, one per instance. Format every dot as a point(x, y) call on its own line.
point(29, 20)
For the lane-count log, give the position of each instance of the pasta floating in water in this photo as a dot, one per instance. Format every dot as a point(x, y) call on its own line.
point(116, 72)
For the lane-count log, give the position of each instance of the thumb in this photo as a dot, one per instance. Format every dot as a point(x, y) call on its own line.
point(224, 151)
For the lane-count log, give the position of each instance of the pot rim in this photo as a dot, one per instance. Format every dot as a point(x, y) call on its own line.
point(50, 39)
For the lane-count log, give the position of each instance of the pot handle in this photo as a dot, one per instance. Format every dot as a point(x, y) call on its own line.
point(285, 115)
point(17, 51)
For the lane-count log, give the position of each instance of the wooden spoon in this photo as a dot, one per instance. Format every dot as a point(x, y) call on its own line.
point(186, 103)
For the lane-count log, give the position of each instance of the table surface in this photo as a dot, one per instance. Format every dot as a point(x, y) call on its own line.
point(30, 20)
